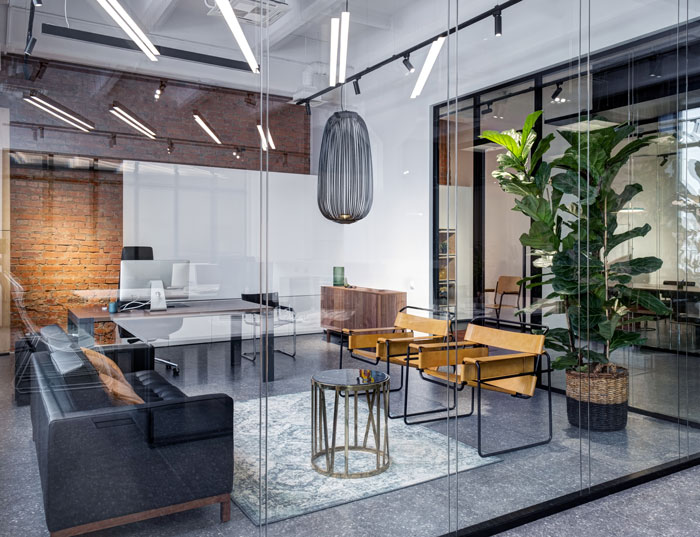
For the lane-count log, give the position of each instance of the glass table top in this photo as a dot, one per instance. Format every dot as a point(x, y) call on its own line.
point(350, 377)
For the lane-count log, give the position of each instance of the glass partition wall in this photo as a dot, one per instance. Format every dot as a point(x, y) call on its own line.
point(284, 233)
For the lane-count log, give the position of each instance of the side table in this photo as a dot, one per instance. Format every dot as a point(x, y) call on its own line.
point(346, 384)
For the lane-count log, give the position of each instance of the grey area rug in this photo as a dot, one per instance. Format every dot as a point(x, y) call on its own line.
point(294, 488)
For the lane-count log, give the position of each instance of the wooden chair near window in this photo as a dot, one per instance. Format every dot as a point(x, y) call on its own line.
point(514, 373)
point(505, 286)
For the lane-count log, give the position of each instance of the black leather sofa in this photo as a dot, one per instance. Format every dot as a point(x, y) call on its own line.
point(103, 464)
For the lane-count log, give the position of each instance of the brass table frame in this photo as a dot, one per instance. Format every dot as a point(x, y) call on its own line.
point(374, 393)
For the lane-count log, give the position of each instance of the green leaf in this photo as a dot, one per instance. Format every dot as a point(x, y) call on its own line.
point(629, 192)
point(616, 240)
point(622, 339)
point(644, 299)
point(640, 265)
point(504, 140)
point(606, 328)
point(540, 151)
point(567, 361)
point(530, 121)
point(540, 237)
point(537, 209)
point(572, 183)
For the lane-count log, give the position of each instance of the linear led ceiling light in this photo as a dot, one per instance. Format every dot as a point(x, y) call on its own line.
point(205, 126)
point(335, 27)
point(122, 18)
point(428, 66)
point(131, 119)
point(266, 140)
point(237, 31)
point(59, 111)
point(344, 29)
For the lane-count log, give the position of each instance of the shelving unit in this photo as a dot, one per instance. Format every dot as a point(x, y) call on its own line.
point(446, 263)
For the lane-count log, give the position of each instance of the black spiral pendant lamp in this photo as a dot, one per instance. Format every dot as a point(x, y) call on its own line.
point(345, 185)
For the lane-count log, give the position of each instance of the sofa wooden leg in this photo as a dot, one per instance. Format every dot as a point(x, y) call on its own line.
point(226, 510)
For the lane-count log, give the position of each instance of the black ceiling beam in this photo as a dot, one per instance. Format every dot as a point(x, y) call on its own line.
point(401, 55)
point(118, 42)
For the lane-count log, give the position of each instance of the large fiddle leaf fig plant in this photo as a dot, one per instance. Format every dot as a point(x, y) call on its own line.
point(574, 209)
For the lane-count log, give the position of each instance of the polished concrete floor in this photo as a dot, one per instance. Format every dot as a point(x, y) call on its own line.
point(667, 507)
point(574, 459)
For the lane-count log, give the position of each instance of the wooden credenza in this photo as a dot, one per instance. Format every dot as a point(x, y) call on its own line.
point(358, 307)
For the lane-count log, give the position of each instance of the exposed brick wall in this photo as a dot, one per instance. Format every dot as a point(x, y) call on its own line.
point(233, 114)
point(66, 236)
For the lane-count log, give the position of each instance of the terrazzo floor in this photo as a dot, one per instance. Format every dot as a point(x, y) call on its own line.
point(573, 459)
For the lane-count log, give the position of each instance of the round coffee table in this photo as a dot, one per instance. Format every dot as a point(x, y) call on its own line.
point(346, 384)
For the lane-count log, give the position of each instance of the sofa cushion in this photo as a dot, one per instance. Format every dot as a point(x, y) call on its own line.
point(121, 392)
point(151, 386)
point(104, 364)
point(74, 381)
point(67, 361)
point(56, 339)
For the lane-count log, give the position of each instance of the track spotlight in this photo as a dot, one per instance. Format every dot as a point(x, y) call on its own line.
point(487, 110)
point(408, 64)
point(160, 90)
point(307, 106)
point(655, 70)
point(557, 92)
point(113, 140)
point(38, 3)
point(356, 86)
point(497, 24)
point(171, 147)
point(30, 46)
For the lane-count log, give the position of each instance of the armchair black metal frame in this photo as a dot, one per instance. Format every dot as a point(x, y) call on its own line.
point(479, 382)
point(385, 332)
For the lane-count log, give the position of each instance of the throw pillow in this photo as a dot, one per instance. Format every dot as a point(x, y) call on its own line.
point(104, 364)
point(122, 392)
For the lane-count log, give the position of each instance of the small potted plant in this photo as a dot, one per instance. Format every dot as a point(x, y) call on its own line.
point(573, 230)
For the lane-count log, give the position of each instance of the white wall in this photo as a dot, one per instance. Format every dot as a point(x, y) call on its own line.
point(391, 247)
point(212, 215)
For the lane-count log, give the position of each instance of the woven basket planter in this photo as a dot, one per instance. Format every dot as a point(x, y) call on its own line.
point(598, 400)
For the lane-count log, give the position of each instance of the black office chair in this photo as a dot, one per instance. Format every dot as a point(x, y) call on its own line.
point(253, 319)
point(145, 253)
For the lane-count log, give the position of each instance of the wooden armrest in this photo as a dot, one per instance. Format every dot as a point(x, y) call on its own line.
point(409, 340)
point(499, 357)
point(440, 346)
point(370, 330)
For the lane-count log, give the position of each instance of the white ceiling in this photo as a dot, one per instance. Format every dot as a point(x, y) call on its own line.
point(300, 37)
point(537, 33)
